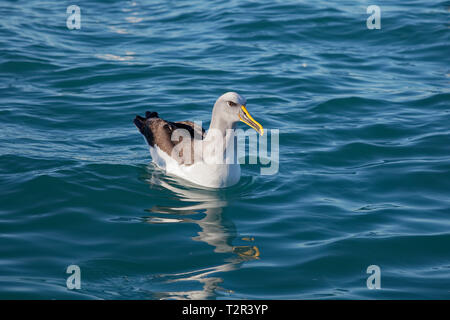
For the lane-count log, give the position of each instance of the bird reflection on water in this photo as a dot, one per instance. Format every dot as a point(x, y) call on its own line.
point(216, 230)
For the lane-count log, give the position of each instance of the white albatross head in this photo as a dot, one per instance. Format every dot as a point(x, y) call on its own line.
point(230, 109)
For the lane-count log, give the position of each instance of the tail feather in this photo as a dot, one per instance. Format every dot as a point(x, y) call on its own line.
point(149, 114)
point(139, 121)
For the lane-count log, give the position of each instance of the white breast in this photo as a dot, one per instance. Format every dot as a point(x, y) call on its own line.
point(201, 173)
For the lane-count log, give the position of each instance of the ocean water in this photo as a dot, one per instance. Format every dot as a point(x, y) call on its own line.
point(364, 155)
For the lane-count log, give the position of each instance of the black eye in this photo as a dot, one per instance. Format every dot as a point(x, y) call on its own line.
point(231, 104)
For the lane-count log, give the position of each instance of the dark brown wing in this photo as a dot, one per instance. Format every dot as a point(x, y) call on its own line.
point(195, 130)
point(159, 132)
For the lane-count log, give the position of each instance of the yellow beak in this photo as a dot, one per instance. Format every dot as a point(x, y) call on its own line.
point(246, 118)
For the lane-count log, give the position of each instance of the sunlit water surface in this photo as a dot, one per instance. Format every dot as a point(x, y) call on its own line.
point(364, 162)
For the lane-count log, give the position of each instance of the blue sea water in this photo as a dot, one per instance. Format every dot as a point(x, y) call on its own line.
point(364, 156)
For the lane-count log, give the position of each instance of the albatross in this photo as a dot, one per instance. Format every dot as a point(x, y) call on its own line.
point(186, 150)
